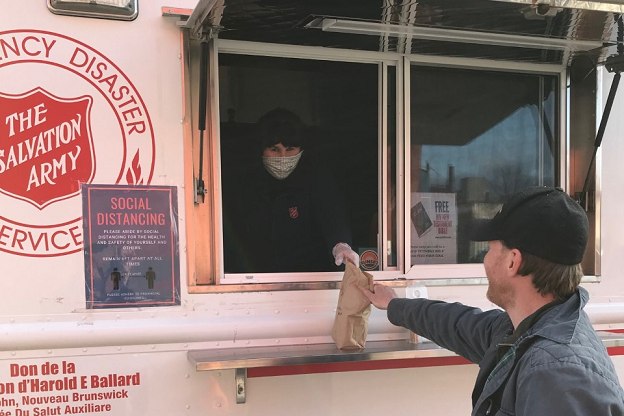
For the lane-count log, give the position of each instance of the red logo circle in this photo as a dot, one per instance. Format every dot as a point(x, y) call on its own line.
point(369, 260)
point(65, 110)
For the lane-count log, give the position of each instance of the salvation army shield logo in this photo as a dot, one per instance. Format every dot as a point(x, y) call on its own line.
point(293, 212)
point(46, 147)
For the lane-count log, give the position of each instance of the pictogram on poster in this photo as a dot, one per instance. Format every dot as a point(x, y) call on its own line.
point(434, 228)
point(131, 246)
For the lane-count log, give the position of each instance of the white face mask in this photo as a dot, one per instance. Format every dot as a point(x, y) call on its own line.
point(281, 167)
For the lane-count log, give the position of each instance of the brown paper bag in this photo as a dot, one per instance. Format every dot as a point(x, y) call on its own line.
point(351, 322)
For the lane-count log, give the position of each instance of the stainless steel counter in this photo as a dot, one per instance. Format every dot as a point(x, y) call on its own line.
point(232, 358)
point(240, 359)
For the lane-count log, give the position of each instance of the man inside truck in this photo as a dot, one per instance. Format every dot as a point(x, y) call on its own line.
point(285, 213)
point(539, 355)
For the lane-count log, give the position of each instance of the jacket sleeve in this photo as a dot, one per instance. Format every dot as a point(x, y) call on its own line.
point(568, 389)
point(462, 329)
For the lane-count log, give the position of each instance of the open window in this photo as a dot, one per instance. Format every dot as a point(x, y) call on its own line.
point(288, 225)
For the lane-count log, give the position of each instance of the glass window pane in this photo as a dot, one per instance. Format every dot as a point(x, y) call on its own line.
point(330, 192)
point(476, 138)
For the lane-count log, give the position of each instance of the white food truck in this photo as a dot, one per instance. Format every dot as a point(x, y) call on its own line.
point(126, 124)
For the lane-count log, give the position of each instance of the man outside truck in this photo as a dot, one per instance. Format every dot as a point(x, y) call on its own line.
point(539, 355)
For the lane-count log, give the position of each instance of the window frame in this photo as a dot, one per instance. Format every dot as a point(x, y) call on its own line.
point(205, 250)
point(382, 60)
point(472, 273)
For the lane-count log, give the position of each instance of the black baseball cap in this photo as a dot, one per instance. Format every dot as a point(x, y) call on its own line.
point(539, 220)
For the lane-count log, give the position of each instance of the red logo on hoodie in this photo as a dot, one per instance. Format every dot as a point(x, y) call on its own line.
point(294, 212)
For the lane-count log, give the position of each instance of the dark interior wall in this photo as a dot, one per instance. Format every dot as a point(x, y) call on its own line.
point(337, 102)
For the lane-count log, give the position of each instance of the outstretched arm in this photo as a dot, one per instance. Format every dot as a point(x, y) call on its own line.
point(464, 330)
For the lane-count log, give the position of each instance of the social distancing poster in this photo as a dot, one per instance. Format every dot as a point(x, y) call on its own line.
point(131, 246)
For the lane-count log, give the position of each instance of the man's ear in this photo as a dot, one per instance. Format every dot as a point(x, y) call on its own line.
point(514, 261)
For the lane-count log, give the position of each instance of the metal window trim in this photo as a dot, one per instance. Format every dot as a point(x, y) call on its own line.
point(598, 177)
point(407, 164)
point(564, 126)
point(391, 58)
point(382, 171)
point(305, 52)
point(446, 34)
point(486, 64)
point(401, 129)
point(215, 158)
point(565, 165)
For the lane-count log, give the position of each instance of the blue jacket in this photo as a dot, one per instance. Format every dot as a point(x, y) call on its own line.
point(558, 367)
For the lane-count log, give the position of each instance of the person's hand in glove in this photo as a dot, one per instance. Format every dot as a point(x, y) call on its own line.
point(342, 252)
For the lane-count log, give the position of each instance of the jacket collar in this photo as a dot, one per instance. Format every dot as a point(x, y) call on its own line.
point(559, 324)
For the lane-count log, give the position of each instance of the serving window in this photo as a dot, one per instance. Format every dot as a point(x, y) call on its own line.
point(338, 200)
point(409, 154)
